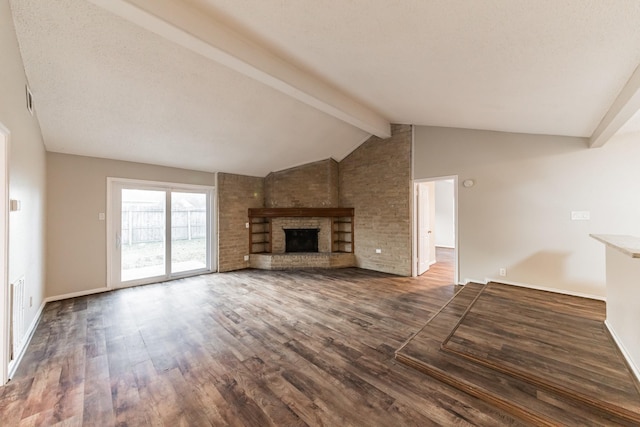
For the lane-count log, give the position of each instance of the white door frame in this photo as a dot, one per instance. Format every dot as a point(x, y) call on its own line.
point(5, 136)
point(424, 254)
point(114, 282)
point(414, 226)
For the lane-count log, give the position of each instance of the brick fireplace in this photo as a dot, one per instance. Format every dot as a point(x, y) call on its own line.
point(331, 227)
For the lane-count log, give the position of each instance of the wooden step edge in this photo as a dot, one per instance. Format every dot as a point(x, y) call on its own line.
point(477, 392)
point(576, 396)
point(412, 336)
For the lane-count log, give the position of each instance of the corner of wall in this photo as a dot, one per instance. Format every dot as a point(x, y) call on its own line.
point(375, 179)
point(236, 194)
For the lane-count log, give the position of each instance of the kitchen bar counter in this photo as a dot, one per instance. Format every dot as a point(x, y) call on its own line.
point(623, 294)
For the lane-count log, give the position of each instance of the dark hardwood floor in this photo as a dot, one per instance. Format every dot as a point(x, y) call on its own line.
point(248, 348)
point(544, 357)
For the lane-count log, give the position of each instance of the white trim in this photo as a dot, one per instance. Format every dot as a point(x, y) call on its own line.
point(215, 240)
point(414, 231)
point(4, 256)
point(113, 282)
point(108, 233)
point(76, 294)
point(163, 184)
point(13, 366)
point(539, 288)
point(633, 367)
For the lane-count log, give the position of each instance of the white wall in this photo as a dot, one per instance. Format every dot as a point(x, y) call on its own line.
point(77, 193)
point(623, 315)
point(445, 235)
point(26, 170)
point(517, 216)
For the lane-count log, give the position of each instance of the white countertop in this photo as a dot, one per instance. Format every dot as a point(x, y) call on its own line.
point(628, 245)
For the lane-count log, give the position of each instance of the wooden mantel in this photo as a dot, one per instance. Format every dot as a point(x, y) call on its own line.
point(299, 212)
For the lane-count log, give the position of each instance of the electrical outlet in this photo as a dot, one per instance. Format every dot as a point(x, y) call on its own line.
point(101, 216)
point(378, 251)
point(503, 272)
point(246, 257)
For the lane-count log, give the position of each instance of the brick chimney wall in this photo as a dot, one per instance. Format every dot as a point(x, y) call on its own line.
point(375, 179)
point(314, 185)
point(236, 194)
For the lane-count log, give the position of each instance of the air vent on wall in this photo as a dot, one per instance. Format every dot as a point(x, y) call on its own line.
point(29, 100)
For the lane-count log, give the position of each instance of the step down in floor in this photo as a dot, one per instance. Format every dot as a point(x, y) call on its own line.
point(479, 340)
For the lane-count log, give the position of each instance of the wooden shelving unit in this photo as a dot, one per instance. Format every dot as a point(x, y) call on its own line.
point(342, 234)
point(259, 235)
point(342, 226)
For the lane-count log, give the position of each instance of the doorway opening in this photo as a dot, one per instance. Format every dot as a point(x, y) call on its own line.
point(5, 322)
point(435, 230)
point(158, 231)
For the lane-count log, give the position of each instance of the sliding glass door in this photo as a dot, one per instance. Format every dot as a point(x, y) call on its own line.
point(158, 231)
point(188, 231)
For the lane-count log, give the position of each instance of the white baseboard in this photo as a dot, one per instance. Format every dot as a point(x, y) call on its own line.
point(623, 350)
point(538, 288)
point(13, 365)
point(76, 294)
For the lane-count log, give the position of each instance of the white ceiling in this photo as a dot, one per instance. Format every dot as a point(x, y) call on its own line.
point(105, 86)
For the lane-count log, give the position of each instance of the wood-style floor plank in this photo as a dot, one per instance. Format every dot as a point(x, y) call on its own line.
point(504, 338)
point(249, 348)
point(532, 335)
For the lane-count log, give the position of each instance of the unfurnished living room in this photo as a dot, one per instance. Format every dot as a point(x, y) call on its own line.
point(319, 212)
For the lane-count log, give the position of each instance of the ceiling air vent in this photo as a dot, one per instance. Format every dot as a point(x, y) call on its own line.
point(29, 99)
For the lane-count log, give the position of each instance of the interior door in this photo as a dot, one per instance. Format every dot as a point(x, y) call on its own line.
point(424, 231)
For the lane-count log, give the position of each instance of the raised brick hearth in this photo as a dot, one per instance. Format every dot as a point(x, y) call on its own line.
point(293, 261)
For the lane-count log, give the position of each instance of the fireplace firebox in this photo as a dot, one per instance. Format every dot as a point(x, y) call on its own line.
point(301, 239)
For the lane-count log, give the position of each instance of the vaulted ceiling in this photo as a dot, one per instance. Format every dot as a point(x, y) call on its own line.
point(253, 86)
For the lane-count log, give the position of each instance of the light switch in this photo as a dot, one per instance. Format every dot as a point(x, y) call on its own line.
point(14, 205)
point(580, 215)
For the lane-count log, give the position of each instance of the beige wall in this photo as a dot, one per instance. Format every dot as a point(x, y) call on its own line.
point(236, 194)
point(77, 193)
point(517, 215)
point(375, 179)
point(26, 170)
point(314, 185)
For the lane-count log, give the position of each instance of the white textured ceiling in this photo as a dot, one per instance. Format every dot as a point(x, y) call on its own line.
point(105, 87)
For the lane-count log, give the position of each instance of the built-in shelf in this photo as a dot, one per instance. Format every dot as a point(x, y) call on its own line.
point(342, 226)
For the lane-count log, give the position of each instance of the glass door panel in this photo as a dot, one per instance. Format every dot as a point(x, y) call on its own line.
point(142, 234)
point(189, 231)
point(159, 231)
